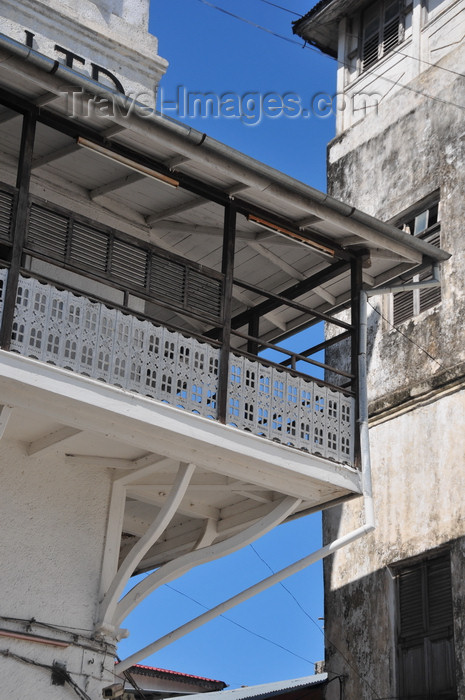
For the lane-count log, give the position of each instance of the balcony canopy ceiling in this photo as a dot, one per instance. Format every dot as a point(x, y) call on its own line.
point(188, 219)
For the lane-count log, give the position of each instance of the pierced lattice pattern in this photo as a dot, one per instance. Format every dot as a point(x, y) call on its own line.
point(292, 410)
point(73, 332)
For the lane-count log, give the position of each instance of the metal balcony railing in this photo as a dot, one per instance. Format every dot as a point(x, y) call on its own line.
point(82, 335)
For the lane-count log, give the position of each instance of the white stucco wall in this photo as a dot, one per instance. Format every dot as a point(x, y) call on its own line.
point(52, 519)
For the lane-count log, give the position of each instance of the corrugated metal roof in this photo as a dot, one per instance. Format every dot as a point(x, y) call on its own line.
point(264, 690)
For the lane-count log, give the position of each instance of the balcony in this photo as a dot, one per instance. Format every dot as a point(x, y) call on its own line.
point(76, 333)
point(147, 272)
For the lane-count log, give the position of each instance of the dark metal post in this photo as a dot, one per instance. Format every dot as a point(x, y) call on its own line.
point(23, 178)
point(356, 280)
point(229, 244)
point(254, 330)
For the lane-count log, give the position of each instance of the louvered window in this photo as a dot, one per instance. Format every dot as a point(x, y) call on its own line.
point(382, 30)
point(89, 247)
point(6, 211)
point(425, 641)
point(59, 236)
point(425, 224)
point(47, 232)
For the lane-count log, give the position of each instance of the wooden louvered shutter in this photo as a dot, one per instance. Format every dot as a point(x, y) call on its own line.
point(129, 263)
point(391, 26)
point(426, 643)
point(432, 296)
point(47, 232)
point(6, 210)
point(204, 295)
point(168, 280)
point(89, 248)
point(370, 40)
point(402, 307)
point(411, 602)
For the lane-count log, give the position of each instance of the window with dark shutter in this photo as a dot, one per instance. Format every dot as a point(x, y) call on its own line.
point(382, 30)
point(425, 641)
point(424, 224)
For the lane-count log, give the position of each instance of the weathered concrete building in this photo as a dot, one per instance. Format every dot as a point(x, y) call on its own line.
point(395, 601)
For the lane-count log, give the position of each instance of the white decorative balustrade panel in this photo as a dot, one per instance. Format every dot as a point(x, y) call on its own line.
point(292, 410)
point(75, 333)
point(59, 327)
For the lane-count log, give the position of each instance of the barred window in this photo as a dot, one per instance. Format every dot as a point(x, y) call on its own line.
point(425, 630)
point(424, 223)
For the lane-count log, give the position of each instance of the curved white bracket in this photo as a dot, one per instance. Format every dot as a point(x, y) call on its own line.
point(159, 525)
point(179, 566)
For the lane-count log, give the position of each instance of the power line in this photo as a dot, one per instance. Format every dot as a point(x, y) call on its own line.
point(254, 24)
point(280, 7)
point(406, 336)
point(246, 629)
point(56, 669)
point(317, 625)
point(342, 63)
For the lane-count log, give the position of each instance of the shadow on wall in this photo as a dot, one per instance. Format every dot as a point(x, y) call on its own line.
point(109, 7)
point(362, 626)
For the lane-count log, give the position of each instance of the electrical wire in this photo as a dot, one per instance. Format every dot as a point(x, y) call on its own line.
point(342, 63)
point(318, 627)
point(54, 669)
point(396, 328)
point(246, 629)
point(130, 679)
point(254, 24)
point(280, 7)
point(47, 625)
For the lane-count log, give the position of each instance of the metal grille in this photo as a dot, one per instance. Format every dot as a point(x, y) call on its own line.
point(73, 332)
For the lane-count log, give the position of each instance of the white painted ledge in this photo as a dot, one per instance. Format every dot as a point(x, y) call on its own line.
point(89, 405)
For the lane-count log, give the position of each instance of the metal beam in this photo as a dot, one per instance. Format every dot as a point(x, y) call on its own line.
point(23, 179)
point(246, 299)
point(329, 273)
point(227, 268)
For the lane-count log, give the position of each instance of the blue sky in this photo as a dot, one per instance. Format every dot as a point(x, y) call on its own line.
point(212, 52)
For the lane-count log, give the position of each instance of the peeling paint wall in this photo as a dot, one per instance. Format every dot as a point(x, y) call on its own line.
point(414, 146)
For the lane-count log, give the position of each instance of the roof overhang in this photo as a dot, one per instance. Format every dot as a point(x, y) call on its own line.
point(319, 27)
point(187, 219)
